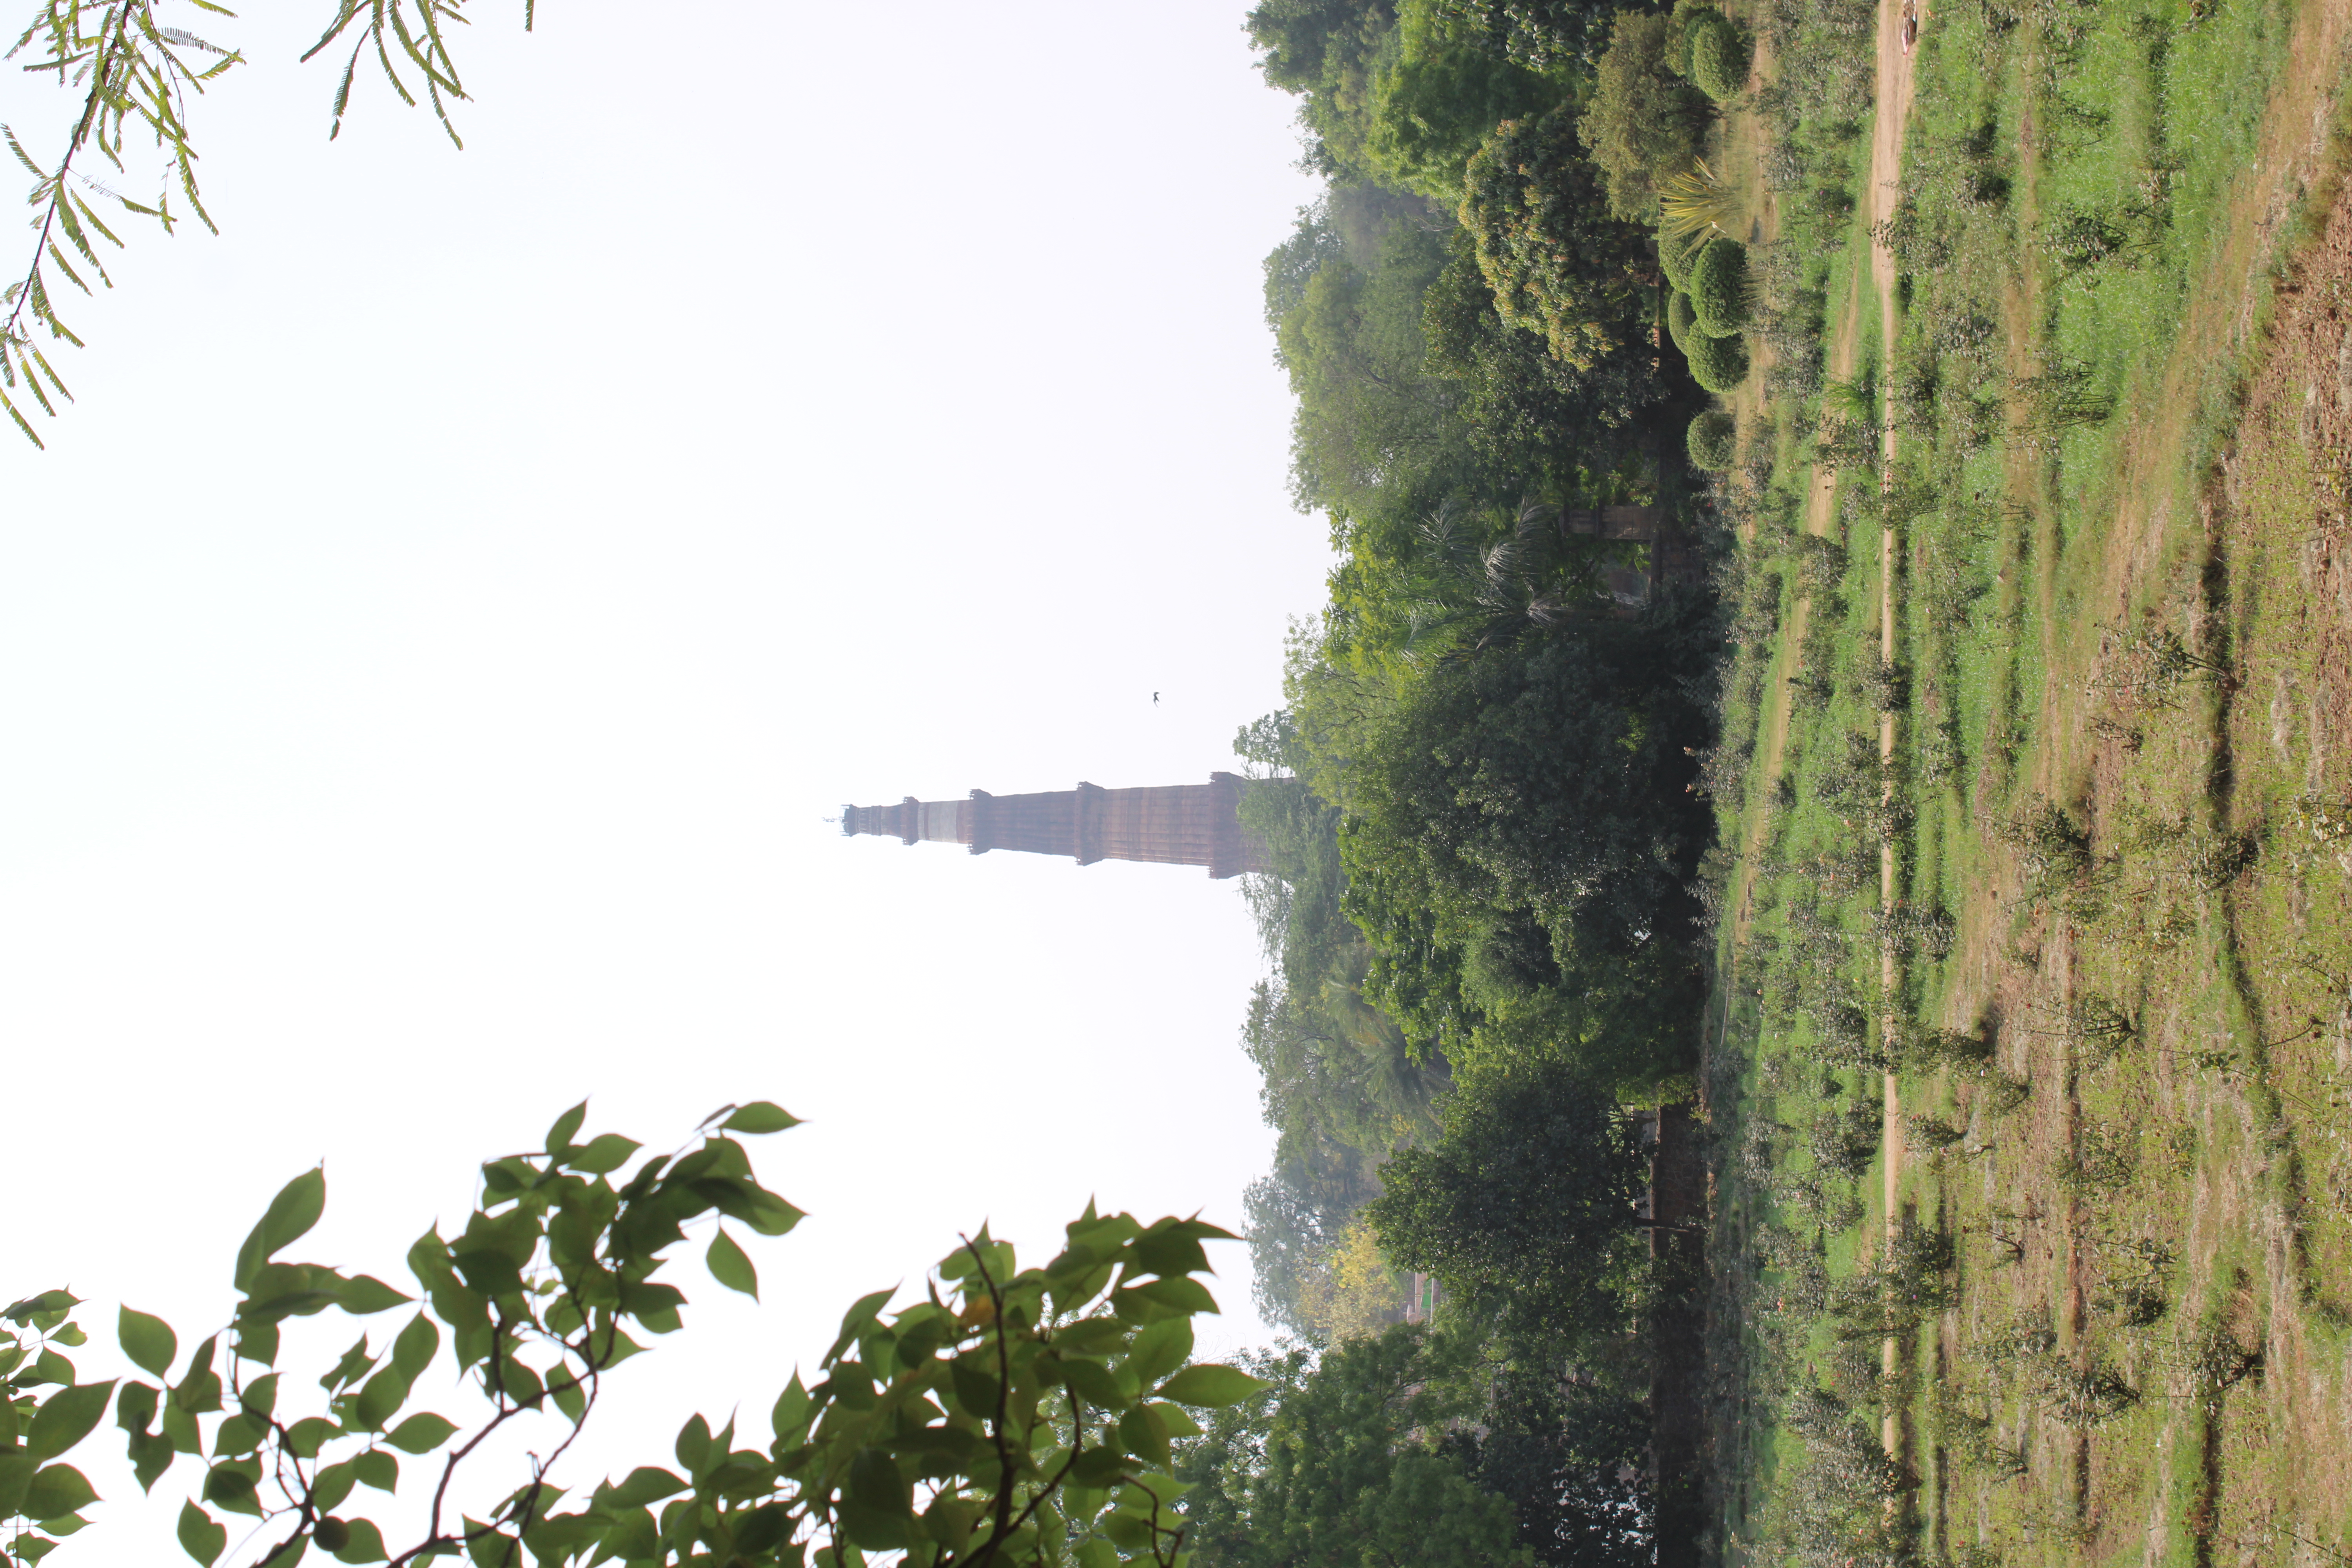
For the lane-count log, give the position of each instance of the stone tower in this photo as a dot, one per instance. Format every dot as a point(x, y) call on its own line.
point(1170, 825)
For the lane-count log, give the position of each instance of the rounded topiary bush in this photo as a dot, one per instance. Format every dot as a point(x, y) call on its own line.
point(1719, 58)
point(1713, 440)
point(1718, 364)
point(1680, 326)
point(1675, 259)
point(1718, 288)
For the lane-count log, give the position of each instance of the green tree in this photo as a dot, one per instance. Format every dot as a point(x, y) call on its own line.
point(1008, 1414)
point(1719, 58)
point(1431, 108)
point(1344, 1464)
point(1539, 34)
point(1548, 775)
point(1556, 1443)
point(1572, 1451)
point(1342, 1084)
point(1720, 288)
point(1646, 121)
point(1373, 427)
point(1297, 1213)
point(1527, 1201)
point(1528, 412)
point(1558, 262)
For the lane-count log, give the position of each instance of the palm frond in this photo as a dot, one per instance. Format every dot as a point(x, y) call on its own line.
point(1695, 207)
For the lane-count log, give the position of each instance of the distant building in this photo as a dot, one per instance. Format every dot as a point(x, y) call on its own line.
point(1168, 824)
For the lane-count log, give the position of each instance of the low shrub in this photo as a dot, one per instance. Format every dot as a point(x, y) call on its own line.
point(1680, 326)
point(1718, 364)
point(1720, 56)
point(1675, 259)
point(1718, 288)
point(1714, 440)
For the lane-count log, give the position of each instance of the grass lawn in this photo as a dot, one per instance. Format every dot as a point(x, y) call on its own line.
point(2111, 1319)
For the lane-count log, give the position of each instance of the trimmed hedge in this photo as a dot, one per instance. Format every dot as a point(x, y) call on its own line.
point(1675, 259)
point(1719, 58)
point(1718, 364)
point(1718, 288)
point(1714, 440)
point(1680, 327)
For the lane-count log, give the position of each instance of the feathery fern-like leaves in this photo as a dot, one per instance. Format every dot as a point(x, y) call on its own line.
point(133, 74)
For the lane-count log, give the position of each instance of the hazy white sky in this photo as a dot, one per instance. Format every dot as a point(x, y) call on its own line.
point(430, 649)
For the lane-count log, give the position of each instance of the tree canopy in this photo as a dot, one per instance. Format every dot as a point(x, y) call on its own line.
point(1008, 1413)
point(1558, 262)
point(1421, 1444)
point(1644, 120)
point(1529, 1195)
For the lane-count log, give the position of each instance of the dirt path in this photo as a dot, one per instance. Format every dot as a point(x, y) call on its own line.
point(1893, 113)
point(1885, 164)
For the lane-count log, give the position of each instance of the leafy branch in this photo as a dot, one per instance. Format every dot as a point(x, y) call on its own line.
point(138, 76)
point(135, 76)
point(1010, 1416)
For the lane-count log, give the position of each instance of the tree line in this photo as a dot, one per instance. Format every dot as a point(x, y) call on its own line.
point(1482, 798)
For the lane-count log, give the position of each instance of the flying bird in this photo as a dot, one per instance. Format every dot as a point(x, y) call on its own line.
point(1155, 699)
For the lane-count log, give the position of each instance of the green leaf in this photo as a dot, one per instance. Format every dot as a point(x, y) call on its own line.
point(760, 1117)
point(380, 1398)
point(1207, 1387)
point(633, 1538)
point(333, 1485)
point(601, 1154)
point(1144, 1434)
point(413, 1351)
point(1177, 1293)
point(854, 1322)
point(230, 1484)
point(200, 1536)
point(1098, 1466)
point(59, 1488)
point(134, 1408)
point(421, 1433)
point(378, 1469)
point(877, 1500)
point(1159, 1349)
point(16, 1471)
point(1094, 1384)
point(240, 1434)
point(1179, 1424)
point(730, 1266)
point(760, 1530)
point(789, 1419)
point(366, 1544)
point(64, 1419)
point(645, 1484)
point(290, 1216)
point(976, 1390)
point(559, 1136)
point(23, 1312)
point(257, 1337)
point(693, 1446)
point(356, 1360)
point(363, 1294)
point(310, 1434)
point(180, 1426)
point(150, 1455)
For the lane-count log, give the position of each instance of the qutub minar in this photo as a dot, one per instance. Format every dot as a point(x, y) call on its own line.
point(1166, 825)
point(1200, 824)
